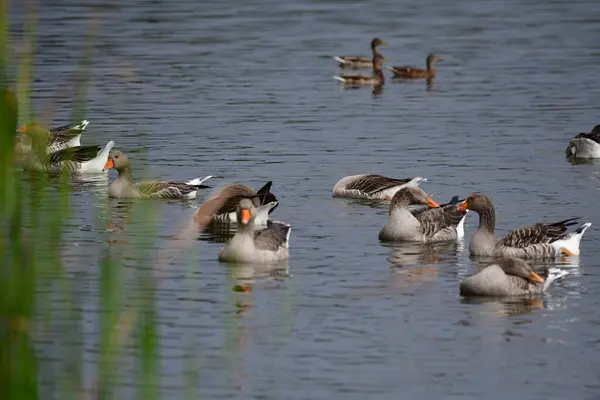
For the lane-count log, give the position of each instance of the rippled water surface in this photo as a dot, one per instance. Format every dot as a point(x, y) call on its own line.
point(244, 91)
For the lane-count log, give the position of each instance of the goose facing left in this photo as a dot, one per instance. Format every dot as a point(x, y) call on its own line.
point(585, 145)
point(56, 139)
point(75, 160)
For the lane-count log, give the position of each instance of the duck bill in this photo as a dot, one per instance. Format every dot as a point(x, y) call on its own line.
point(463, 206)
point(244, 216)
point(384, 43)
point(535, 277)
point(431, 203)
point(22, 128)
point(109, 164)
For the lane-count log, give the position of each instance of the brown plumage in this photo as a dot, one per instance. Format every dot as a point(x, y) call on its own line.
point(357, 62)
point(376, 79)
point(409, 72)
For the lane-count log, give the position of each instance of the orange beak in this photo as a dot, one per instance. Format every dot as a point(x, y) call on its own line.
point(431, 203)
point(463, 206)
point(22, 129)
point(109, 164)
point(535, 277)
point(244, 216)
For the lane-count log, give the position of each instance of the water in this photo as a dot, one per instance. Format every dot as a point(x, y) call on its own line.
point(243, 91)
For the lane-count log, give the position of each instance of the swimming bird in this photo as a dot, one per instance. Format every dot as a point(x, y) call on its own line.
point(585, 145)
point(358, 80)
point(124, 188)
point(372, 186)
point(437, 224)
point(541, 240)
point(409, 72)
point(75, 160)
point(357, 62)
point(249, 246)
point(55, 139)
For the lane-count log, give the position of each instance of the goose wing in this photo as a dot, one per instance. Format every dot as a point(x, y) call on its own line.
point(275, 236)
point(76, 154)
point(373, 183)
point(539, 233)
point(165, 190)
point(436, 220)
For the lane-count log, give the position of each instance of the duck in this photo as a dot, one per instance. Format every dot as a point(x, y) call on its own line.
point(250, 246)
point(436, 224)
point(409, 72)
point(376, 79)
point(372, 186)
point(75, 160)
point(124, 188)
point(585, 145)
point(56, 139)
point(541, 240)
point(357, 62)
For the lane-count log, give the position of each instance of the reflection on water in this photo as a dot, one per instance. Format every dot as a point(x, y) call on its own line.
point(504, 307)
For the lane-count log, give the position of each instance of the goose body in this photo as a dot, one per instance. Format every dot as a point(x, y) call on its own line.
point(56, 139)
point(124, 188)
point(359, 80)
point(372, 186)
point(505, 277)
point(409, 72)
point(541, 240)
point(75, 160)
point(357, 62)
point(585, 145)
point(436, 224)
point(250, 246)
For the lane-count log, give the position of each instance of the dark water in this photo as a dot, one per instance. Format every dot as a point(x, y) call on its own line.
point(243, 91)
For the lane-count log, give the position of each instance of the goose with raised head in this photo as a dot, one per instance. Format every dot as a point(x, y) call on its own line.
point(356, 62)
point(124, 188)
point(250, 246)
point(439, 224)
point(585, 145)
point(541, 240)
point(372, 186)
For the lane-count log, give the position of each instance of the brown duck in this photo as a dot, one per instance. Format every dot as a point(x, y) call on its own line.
point(357, 62)
point(408, 72)
point(356, 80)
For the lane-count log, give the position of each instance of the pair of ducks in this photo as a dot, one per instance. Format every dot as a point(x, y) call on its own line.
point(445, 223)
point(405, 71)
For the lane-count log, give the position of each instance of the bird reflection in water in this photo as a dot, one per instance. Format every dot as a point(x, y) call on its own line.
point(504, 307)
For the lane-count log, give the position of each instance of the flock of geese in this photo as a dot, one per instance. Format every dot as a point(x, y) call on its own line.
point(413, 215)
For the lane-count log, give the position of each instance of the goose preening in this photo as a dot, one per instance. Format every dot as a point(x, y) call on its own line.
point(124, 188)
point(585, 145)
point(75, 160)
point(250, 246)
point(55, 139)
point(409, 72)
point(372, 186)
point(508, 277)
point(538, 241)
point(437, 224)
point(356, 62)
point(358, 80)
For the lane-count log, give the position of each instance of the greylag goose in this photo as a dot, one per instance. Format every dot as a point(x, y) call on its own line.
point(377, 78)
point(538, 241)
point(408, 72)
point(356, 62)
point(585, 145)
point(75, 160)
point(123, 188)
point(372, 186)
point(249, 246)
point(508, 277)
point(55, 139)
point(438, 224)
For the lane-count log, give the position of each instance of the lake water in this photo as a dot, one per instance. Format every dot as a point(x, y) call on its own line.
point(244, 91)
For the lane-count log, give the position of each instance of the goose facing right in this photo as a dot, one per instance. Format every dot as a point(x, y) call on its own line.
point(372, 186)
point(56, 139)
point(249, 246)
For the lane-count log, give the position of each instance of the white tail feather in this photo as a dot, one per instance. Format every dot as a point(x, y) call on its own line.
point(96, 164)
point(339, 78)
point(198, 181)
point(82, 125)
point(262, 213)
point(571, 242)
point(340, 60)
point(75, 141)
point(416, 181)
point(460, 228)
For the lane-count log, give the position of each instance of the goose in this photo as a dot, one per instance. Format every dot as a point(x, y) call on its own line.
point(372, 186)
point(55, 139)
point(585, 145)
point(123, 188)
point(357, 62)
point(538, 241)
point(249, 246)
point(75, 160)
point(438, 224)
point(358, 80)
point(508, 277)
point(408, 72)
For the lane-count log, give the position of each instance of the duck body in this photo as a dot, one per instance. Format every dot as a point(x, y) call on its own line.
point(541, 240)
point(372, 186)
point(376, 79)
point(505, 277)
point(358, 62)
point(75, 160)
point(124, 188)
point(585, 145)
point(436, 224)
point(266, 246)
point(410, 72)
